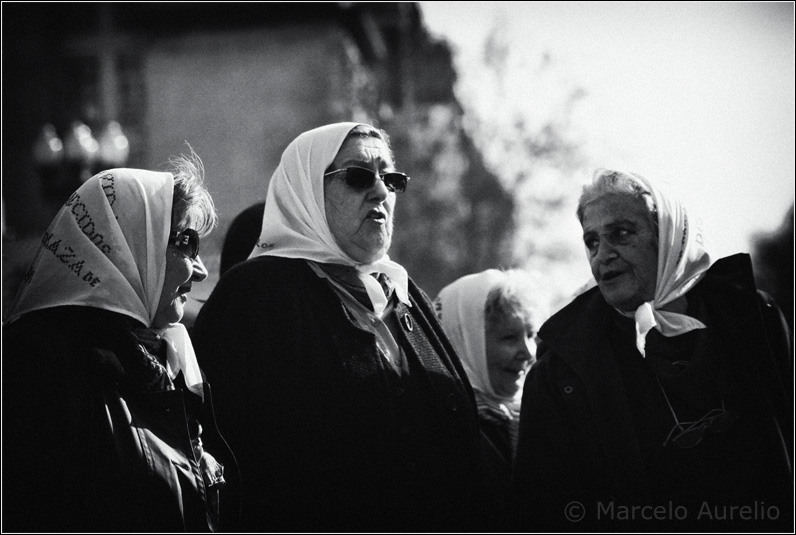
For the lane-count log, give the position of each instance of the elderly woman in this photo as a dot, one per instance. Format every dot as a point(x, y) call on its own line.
point(346, 406)
point(661, 387)
point(102, 395)
point(491, 319)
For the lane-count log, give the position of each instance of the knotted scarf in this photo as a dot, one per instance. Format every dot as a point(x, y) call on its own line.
point(106, 248)
point(682, 262)
point(294, 219)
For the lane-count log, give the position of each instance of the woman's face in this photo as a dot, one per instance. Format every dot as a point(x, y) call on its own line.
point(181, 273)
point(510, 351)
point(360, 220)
point(622, 248)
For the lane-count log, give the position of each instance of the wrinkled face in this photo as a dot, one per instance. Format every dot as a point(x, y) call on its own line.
point(622, 248)
point(360, 220)
point(181, 273)
point(510, 351)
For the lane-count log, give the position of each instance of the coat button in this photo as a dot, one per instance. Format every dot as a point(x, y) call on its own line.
point(407, 321)
point(451, 402)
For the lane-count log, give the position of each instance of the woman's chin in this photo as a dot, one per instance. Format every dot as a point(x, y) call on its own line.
point(508, 391)
point(171, 314)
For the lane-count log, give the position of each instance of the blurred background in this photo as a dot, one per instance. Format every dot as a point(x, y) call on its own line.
point(498, 111)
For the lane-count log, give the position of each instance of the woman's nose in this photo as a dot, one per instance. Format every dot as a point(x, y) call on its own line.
point(605, 252)
point(525, 352)
point(199, 270)
point(530, 350)
point(379, 191)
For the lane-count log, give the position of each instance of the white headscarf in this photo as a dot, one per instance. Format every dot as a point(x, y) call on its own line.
point(106, 248)
point(294, 220)
point(682, 262)
point(461, 310)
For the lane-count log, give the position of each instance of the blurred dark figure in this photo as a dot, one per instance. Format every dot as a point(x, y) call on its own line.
point(242, 236)
point(773, 259)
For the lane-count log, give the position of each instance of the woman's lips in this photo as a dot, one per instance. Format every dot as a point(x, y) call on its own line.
point(376, 216)
point(610, 275)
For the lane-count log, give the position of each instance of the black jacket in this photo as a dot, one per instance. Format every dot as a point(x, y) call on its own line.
point(91, 440)
point(326, 437)
point(578, 439)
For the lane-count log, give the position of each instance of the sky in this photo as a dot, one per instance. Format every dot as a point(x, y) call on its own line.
point(698, 96)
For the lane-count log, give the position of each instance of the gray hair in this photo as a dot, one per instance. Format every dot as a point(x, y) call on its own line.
point(517, 295)
point(192, 205)
point(607, 182)
point(365, 131)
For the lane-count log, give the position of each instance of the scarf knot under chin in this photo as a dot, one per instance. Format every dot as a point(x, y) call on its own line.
point(294, 217)
point(348, 277)
point(682, 262)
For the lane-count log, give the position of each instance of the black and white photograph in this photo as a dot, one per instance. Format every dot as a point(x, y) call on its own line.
point(398, 267)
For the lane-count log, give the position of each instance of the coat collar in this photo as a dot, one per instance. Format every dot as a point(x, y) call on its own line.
point(578, 335)
point(582, 325)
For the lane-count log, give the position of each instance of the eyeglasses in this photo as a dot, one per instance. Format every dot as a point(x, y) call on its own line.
point(187, 241)
point(687, 435)
point(360, 178)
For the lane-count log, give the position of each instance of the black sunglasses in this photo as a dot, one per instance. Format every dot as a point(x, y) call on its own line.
point(187, 241)
point(361, 178)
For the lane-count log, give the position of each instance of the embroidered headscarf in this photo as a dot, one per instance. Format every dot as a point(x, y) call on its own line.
point(682, 262)
point(106, 248)
point(294, 219)
point(461, 308)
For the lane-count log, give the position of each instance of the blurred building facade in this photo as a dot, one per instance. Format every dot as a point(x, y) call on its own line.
point(238, 82)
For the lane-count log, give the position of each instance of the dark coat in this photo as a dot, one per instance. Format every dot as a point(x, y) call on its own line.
point(89, 443)
point(498, 437)
point(325, 438)
point(578, 439)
